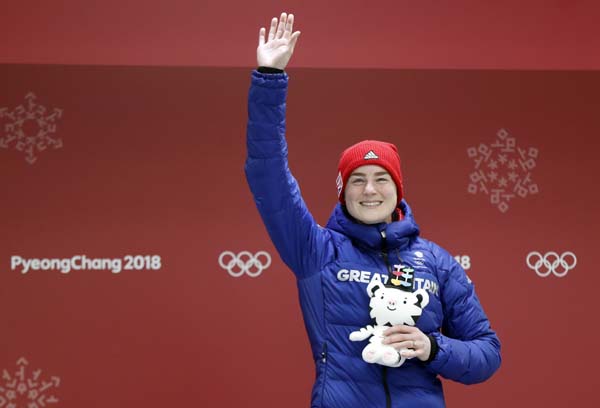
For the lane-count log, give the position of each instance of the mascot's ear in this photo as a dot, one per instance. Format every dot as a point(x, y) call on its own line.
point(374, 285)
point(423, 297)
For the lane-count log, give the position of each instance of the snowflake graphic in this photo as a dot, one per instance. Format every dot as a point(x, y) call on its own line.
point(512, 167)
point(30, 128)
point(23, 390)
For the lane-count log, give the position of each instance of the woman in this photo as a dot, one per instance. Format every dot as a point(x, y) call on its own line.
point(371, 232)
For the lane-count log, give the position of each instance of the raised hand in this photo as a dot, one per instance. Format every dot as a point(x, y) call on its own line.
point(276, 50)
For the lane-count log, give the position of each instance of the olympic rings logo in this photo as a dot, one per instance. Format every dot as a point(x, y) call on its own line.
point(245, 263)
point(551, 262)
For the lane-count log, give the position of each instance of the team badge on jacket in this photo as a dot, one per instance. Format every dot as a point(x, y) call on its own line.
point(391, 304)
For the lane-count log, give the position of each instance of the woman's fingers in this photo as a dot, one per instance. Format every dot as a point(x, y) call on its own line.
point(408, 353)
point(294, 39)
point(273, 28)
point(400, 328)
point(288, 27)
point(409, 344)
point(281, 26)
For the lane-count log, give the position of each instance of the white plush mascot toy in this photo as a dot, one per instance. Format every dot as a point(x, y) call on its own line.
point(391, 304)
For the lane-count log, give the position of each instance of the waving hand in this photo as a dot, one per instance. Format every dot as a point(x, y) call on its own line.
point(276, 50)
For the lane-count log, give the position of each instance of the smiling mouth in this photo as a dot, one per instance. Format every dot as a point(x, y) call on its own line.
point(388, 308)
point(371, 204)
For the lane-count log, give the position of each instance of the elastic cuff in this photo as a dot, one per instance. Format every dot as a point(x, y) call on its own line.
point(269, 70)
point(434, 348)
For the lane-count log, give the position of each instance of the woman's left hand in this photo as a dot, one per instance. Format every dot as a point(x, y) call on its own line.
point(409, 340)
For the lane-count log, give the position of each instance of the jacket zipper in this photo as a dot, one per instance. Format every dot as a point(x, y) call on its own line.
point(324, 370)
point(386, 387)
point(384, 252)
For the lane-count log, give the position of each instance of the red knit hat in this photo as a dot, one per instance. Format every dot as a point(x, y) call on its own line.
point(369, 152)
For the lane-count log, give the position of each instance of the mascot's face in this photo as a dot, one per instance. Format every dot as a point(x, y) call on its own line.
point(391, 306)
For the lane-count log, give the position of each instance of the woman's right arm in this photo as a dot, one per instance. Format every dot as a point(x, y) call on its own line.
point(301, 243)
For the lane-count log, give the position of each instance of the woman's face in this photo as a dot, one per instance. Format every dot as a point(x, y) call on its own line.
point(371, 194)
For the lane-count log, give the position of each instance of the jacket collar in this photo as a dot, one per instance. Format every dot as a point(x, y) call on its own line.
point(398, 233)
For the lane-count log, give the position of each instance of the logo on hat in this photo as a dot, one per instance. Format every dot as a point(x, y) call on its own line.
point(371, 155)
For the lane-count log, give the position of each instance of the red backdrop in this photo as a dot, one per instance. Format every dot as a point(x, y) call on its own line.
point(148, 161)
point(466, 34)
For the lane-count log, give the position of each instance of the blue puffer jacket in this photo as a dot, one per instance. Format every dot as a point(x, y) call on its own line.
point(333, 266)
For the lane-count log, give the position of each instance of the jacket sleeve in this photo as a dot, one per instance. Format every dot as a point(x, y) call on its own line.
point(469, 350)
point(301, 243)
